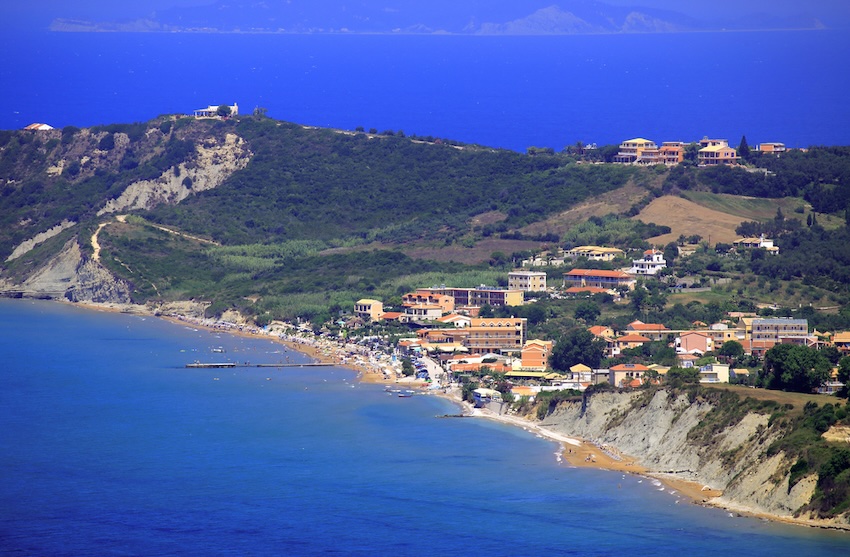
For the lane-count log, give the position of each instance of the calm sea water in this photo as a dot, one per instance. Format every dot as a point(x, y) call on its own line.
point(510, 92)
point(108, 446)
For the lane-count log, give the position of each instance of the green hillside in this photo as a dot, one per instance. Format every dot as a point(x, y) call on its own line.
point(317, 218)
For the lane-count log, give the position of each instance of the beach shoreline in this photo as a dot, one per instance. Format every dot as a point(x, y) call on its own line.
point(576, 452)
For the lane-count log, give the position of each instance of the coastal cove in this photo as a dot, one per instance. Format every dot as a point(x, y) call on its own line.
point(111, 445)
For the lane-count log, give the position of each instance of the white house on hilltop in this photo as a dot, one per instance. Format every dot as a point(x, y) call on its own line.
point(212, 111)
point(651, 262)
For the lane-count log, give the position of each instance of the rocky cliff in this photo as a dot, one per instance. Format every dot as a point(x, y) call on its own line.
point(215, 161)
point(70, 275)
point(194, 156)
point(672, 434)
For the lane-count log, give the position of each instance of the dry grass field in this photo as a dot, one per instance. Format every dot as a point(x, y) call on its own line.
point(617, 201)
point(687, 218)
point(715, 216)
point(797, 400)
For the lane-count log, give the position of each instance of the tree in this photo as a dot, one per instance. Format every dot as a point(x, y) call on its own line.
point(223, 111)
point(578, 346)
point(744, 148)
point(790, 367)
point(692, 152)
point(678, 376)
point(587, 311)
point(406, 367)
point(844, 374)
point(831, 353)
point(732, 349)
point(671, 252)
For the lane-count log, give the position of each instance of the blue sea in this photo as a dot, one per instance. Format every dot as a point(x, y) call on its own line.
point(110, 446)
point(508, 92)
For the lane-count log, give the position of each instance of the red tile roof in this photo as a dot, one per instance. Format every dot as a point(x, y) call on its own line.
point(632, 338)
point(597, 273)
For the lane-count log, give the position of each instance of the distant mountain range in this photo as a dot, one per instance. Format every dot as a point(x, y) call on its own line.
point(465, 17)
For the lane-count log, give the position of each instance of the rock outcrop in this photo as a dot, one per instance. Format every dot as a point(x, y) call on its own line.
point(70, 275)
point(27, 245)
point(214, 163)
point(656, 431)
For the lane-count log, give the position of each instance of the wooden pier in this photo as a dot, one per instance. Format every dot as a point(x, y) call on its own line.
point(200, 365)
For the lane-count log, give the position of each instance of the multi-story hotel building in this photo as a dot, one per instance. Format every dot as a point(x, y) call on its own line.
point(527, 281)
point(496, 335)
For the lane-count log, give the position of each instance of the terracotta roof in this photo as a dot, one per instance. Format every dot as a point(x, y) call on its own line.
point(598, 330)
point(699, 333)
point(597, 273)
point(590, 289)
point(639, 326)
point(632, 338)
point(843, 336)
point(629, 367)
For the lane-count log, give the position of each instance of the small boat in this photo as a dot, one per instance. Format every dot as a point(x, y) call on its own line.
point(404, 395)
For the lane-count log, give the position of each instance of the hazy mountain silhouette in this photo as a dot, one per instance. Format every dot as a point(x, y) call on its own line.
point(437, 16)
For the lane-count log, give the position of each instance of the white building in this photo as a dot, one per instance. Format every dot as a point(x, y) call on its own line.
point(714, 373)
point(756, 243)
point(212, 111)
point(652, 262)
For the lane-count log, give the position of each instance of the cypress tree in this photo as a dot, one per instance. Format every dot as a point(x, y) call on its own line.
point(744, 148)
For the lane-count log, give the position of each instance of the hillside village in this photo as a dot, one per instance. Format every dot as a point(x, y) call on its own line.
point(476, 331)
point(450, 326)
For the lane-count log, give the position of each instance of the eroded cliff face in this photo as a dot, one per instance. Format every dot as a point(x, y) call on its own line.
point(215, 162)
point(656, 431)
point(70, 275)
point(215, 158)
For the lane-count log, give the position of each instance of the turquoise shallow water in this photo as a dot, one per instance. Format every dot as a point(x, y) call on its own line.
point(111, 447)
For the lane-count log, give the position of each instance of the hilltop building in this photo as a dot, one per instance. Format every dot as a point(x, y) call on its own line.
point(646, 152)
point(715, 152)
point(212, 111)
point(771, 148)
point(671, 153)
point(634, 151)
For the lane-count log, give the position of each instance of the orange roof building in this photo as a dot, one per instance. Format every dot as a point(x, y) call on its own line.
point(598, 278)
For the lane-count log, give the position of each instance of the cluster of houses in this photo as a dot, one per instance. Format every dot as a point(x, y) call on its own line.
point(649, 264)
point(449, 328)
point(712, 152)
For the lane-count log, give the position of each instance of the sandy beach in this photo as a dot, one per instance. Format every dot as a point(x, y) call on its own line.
point(579, 453)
